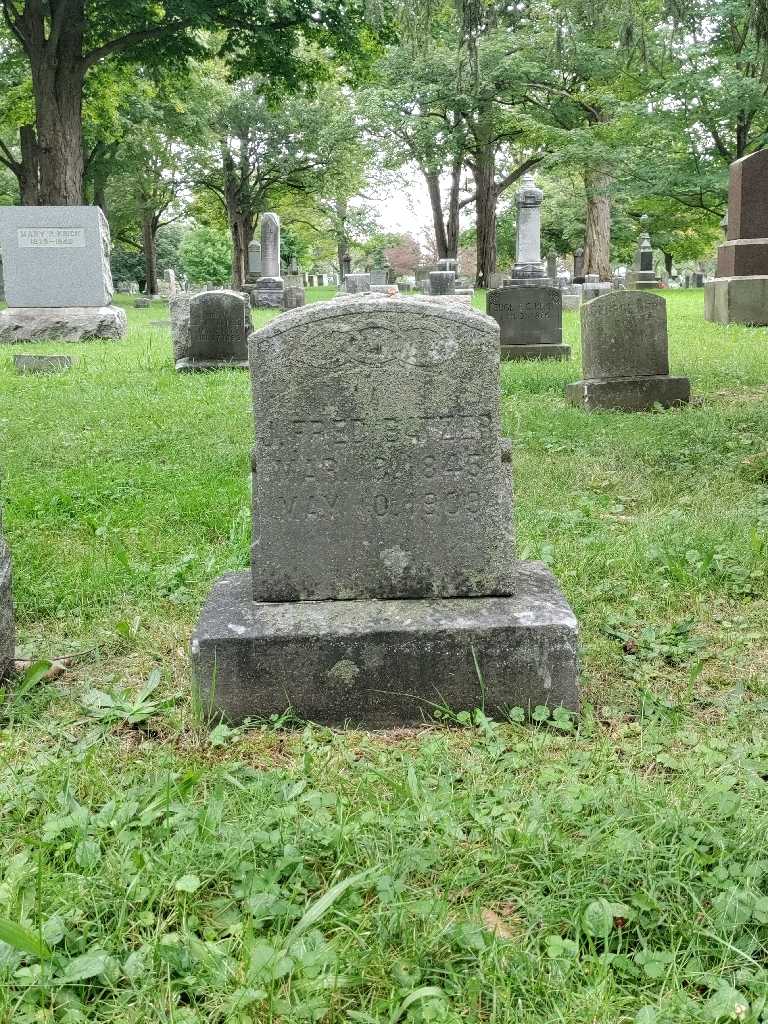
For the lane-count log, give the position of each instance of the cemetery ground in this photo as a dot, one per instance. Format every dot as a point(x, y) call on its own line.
point(614, 869)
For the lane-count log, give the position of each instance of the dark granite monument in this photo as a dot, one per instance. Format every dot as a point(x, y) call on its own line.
point(643, 276)
point(739, 293)
point(625, 359)
point(383, 575)
point(530, 321)
point(219, 324)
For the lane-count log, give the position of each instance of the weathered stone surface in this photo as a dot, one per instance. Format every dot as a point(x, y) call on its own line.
point(81, 323)
point(378, 469)
point(624, 334)
point(7, 631)
point(386, 663)
point(571, 300)
point(636, 394)
point(56, 256)
point(737, 300)
point(141, 303)
point(530, 321)
point(41, 364)
point(219, 324)
point(743, 258)
point(179, 309)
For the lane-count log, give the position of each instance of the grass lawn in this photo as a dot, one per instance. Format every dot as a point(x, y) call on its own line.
point(612, 872)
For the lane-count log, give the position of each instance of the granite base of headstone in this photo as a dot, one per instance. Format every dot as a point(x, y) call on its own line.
point(7, 630)
point(383, 577)
point(219, 324)
point(58, 279)
point(73, 323)
point(530, 321)
point(41, 364)
point(737, 300)
point(739, 292)
point(625, 356)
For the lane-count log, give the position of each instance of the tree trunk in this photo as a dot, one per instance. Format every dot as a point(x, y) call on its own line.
point(29, 179)
point(597, 244)
point(668, 262)
point(452, 227)
point(58, 74)
point(342, 239)
point(436, 202)
point(485, 207)
point(148, 232)
point(239, 213)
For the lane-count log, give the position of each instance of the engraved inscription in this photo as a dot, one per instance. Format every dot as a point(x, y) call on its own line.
point(524, 310)
point(51, 238)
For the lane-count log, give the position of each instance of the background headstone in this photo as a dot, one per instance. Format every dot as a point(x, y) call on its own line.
point(355, 283)
point(56, 256)
point(179, 310)
point(530, 321)
point(219, 324)
point(625, 360)
point(442, 282)
point(528, 268)
point(738, 293)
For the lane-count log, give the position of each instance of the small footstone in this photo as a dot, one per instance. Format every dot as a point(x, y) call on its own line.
point(383, 576)
point(41, 364)
point(61, 323)
point(141, 303)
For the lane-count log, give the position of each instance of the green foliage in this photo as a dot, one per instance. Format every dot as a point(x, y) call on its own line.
point(206, 255)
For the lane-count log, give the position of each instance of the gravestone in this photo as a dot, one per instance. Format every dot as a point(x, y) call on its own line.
point(448, 264)
point(643, 276)
point(378, 277)
point(179, 310)
point(58, 280)
point(219, 323)
point(593, 287)
point(7, 630)
point(442, 282)
point(578, 267)
point(528, 268)
point(356, 283)
point(141, 303)
point(269, 287)
point(571, 297)
point(383, 576)
point(739, 293)
point(625, 361)
point(293, 297)
point(552, 267)
point(41, 364)
point(530, 321)
point(169, 284)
